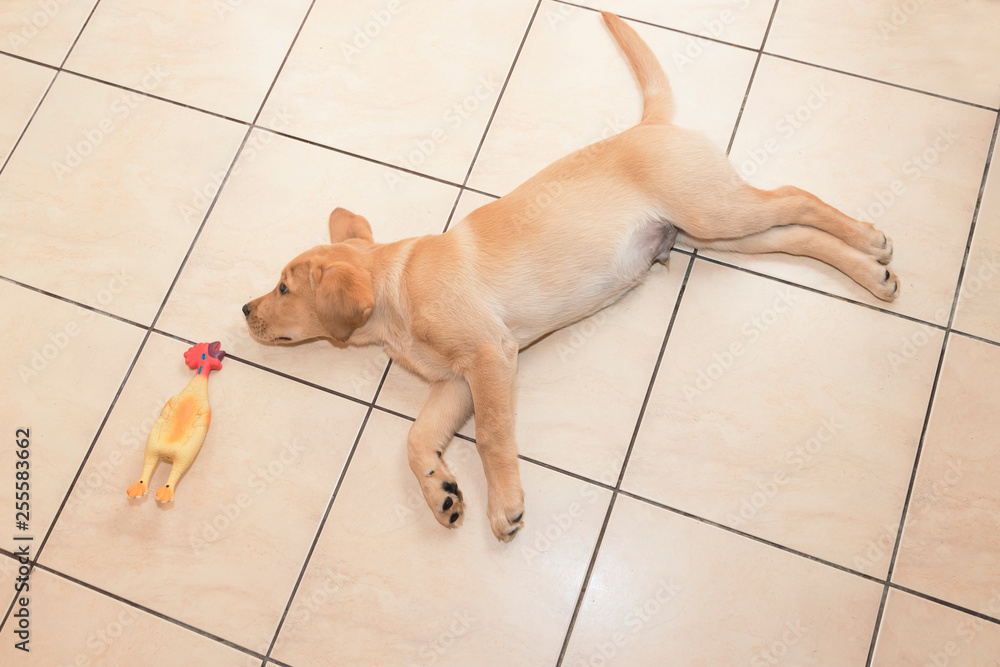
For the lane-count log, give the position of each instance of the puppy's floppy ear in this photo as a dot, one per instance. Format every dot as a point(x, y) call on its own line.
point(344, 298)
point(345, 225)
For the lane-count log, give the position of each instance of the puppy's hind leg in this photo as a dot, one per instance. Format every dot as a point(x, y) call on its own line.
point(789, 205)
point(863, 268)
point(447, 409)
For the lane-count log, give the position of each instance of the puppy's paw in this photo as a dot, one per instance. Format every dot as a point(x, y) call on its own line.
point(883, 251)
point(444, 498)
point(507, 515)
point(884, 284)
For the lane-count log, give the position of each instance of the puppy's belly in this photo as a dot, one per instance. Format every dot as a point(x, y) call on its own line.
point(557, 296)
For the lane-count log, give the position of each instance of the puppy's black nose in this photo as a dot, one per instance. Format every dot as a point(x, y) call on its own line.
point(246, 310)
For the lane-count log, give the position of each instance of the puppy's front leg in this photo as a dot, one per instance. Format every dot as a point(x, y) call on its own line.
point(492, 379)
point(447, 409)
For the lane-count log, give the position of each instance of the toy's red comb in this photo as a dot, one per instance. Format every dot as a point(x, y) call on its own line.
point(205, 354)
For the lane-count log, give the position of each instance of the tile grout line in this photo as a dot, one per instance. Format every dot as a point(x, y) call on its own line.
point(503, 89)
point(880, 81)
point(359, 156)
point(945, 603)
point(272, 371)
point(906, 499)
point(201, 228)
point(975, 220)
point(752, 537)
point(28, 124)
point(454, 207)
point(753, 74)
point(615, 492)
point(489, 123)
point(79, 34)
point(148, 610)
point(93, 444)
point(152, 96)
point(326, 516)
point(284, 60)
point(933, 393)
point(71, 302)
point(963, 334)
point(814, 290)
point(679, 31)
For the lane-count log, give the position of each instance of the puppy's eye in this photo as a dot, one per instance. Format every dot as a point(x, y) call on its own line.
point(282, 288)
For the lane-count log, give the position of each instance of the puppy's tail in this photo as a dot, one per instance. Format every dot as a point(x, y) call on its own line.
point(658, 101)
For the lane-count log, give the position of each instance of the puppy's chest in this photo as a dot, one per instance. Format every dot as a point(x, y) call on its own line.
point(421, 360)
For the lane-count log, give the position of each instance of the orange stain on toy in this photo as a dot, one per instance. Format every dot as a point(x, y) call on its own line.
point(182, 421)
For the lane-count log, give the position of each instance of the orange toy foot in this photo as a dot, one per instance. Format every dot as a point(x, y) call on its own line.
point(136, 490)
point(165, 494)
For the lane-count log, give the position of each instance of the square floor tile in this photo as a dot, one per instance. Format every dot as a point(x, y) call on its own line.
point(950, 542)
point(909, 163)
point(947, 47)
point(25, 84)
point(276, 205)
point(218, 56)
point(73, 625)
point(64, 366)
point(978, 310)
point(243, 516)
point(42, 31)
point(735, 21)
point(431, 595)
point(106, 187)
point(915, 631)
point(671, 590)
point(788, 415)
point(410, 85)
point(572, 86)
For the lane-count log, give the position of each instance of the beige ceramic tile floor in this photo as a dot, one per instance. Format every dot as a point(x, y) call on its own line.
point(747, 461)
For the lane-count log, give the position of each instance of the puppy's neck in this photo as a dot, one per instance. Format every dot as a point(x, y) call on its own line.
point(385, 264)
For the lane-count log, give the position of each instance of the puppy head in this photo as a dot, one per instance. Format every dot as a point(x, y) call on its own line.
point(325, 292)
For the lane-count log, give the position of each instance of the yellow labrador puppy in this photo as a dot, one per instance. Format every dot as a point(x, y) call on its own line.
point(456, 308)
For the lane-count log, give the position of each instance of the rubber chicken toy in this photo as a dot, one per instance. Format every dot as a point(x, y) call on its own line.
point(179, 431)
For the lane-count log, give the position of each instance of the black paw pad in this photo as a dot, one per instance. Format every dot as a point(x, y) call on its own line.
point(453, 518)
point(448, 502)
point(886, 275)
point(517, 518)
point(450, 487)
